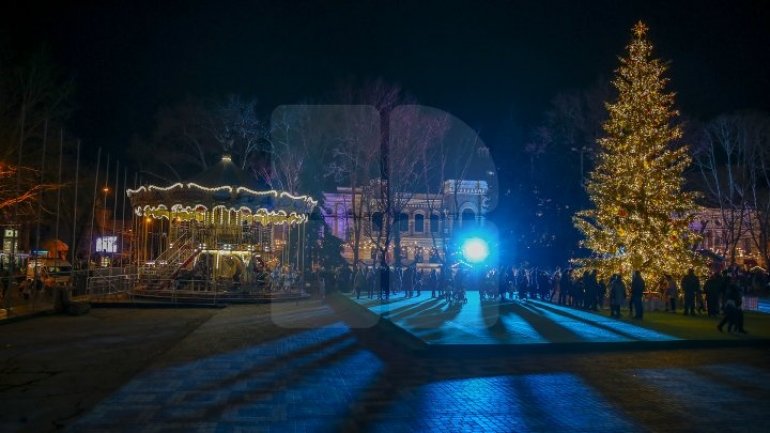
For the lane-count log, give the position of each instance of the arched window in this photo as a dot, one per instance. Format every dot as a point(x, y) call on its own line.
point(403, 222)
point(434, 223)
point(376, 222)
point(468, 218)
point(338, 216)
point(349, 225)
point(419, 223)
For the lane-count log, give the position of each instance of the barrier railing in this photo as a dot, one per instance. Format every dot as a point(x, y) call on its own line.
point(112, 286)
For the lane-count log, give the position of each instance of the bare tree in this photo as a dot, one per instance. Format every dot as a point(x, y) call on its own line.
point(358, 159)
point(28, 193)
point(354, 161)
point(296, 143)
point(182, 144)
point(457, 155)
point(238, 129)
point(721, 155)
point(410, 133)
point(756, 127)
point(192, 134)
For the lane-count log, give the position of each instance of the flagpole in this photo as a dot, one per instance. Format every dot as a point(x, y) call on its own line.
point(93, 207)
point(75, 207)
point(14, 226)
point(115, 207)
point(135, 236)
point(40, 199)
point(38, 262)
point(58, 195)
point(123, 214)
point(106, 188)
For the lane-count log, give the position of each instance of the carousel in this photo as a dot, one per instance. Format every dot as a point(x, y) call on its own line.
point(219, 235)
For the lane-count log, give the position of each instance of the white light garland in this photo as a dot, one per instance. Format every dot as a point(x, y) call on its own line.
point(207, 189)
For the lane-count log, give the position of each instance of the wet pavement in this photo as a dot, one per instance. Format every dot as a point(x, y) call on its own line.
point(313, 367)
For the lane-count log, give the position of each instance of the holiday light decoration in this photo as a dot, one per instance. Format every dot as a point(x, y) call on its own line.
point(201, 204)
point(641, 217)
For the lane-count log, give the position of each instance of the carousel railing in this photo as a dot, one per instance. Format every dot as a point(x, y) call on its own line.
point(171, 254)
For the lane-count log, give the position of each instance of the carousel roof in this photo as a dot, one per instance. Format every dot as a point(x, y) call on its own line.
point(224, 186)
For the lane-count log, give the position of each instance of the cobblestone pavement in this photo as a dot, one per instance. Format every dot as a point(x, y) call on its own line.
point(238, 370)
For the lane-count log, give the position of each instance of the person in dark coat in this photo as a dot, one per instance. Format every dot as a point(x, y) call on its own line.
point(602, 293)
point(733, 313)
point(359, 281)
point(588, 290)
point(565, 286)
point(690, 287)
point(433, 283)
point(617, 295)
point(711, 287)
point(637, 290)
point(521, 284)
point(384, 281)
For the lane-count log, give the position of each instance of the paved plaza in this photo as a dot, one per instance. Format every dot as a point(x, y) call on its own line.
point(327, 367)
point(485, 322)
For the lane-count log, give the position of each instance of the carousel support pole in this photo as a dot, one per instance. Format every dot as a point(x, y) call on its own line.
point(286, 244)
point(301, 251)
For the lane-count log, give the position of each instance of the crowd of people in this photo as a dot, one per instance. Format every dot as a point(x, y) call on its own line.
point(721, 293)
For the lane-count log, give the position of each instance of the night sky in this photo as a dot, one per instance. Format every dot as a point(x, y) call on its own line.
point(495, 65)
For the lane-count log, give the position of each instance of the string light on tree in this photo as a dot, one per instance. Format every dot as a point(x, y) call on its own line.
point(641, 215)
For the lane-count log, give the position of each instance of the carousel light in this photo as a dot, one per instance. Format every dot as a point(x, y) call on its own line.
point(207, 189)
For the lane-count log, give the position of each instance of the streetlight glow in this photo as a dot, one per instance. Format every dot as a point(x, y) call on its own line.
point(475, 250)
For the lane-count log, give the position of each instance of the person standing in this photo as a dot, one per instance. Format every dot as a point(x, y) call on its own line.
point(555, 282)
point(711, 287)
point(602, 293)
point(384, 281)
point(671, 293)
point(591, 290)
point(690, 287)
point(419, 280)
point(565, 285)
point(733, 312)
point(637, 291)
point(359, 280)
point(617, 294)
point(433, 283)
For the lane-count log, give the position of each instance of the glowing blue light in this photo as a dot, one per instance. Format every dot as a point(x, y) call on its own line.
point(475, 250)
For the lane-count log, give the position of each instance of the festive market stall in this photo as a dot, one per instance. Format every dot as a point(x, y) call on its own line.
point(219, 233)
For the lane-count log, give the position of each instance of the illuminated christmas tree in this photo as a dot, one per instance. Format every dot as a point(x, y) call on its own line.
point(642, 216)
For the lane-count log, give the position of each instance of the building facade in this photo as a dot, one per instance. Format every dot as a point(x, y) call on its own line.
point(728, 233)
point(425, 222)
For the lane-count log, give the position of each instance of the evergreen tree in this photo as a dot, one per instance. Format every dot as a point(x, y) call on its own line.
point(641, 216)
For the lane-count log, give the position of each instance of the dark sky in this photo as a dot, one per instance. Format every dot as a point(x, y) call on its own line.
point(494, 64)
